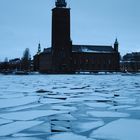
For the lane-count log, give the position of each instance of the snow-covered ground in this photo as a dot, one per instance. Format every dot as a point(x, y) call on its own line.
point(70, 107)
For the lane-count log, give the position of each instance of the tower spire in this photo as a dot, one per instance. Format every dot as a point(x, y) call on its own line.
point(116, 41)
point(60, 3)
point(39, 48)
point(116, 45)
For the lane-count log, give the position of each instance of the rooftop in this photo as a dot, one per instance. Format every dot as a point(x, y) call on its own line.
point(92, 48)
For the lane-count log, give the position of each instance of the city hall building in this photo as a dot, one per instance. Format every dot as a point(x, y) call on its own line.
point(66, 57)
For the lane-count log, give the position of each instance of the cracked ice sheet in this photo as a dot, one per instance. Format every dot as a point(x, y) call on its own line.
point(51, 101)
point(122, 129)
point(23, 138)
point(3, 121)
point(60, 128)
point(107, 114)
point(24, 107)
point(56, 96)
point(27, 135)
point(7, 96)
point(63, 117)
point(120, 107)
point(63, 107)
point(15, 127)
point(100, 105)
point(68, 136)
point(69, 91)
point(30, 115)
point(43, 128)
point(125, 100)
point(4, 103)
point(134, 108)
point(86, 126)
point(87, 98)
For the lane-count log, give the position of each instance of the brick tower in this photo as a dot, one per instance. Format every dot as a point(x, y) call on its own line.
point(61, 40)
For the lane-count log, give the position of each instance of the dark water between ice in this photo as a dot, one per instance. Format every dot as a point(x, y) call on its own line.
point(63, 107)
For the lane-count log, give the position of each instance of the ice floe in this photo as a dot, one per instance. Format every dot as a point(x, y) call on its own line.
point(74, 104)
point(24, 107)
point(122, 129)
point(60, 97)
point(134, 108)
point(88, 98)
point(61, 123)
point(4, 121)
point(63, 107)
point(119, 107)
point(55, 128)
point(27, 134)
point(21, 138)
point(97, 105)
point(63, 117)
point(125, 100)
point(30, 115)
point(18, 126)
point(107, 114)
point(51, 101)
point(17, 101)
point(45, 128)
point(8, 96)
point(68, 136)
point(79, 127)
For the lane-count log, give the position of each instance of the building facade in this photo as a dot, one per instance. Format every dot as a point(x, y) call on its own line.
point(65, 57)
point(131, 62)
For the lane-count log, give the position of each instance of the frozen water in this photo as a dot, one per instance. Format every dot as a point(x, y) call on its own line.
point(27, 134)
point(63, 107)
point(125, 100)
point(15, 127)
point(107, 114)
point(4, 103)
point(22, 138)
point(100, 105)
point(63, 117)
point(29, 115)
point(83, 106)
point(45, 128)
point(51, 101)
point(120, 107)
point(86, 126)
point(3, 121)
point(122, 129)
point(56, 128)
point(24, 107)
point(68, 136)
point(134, 108)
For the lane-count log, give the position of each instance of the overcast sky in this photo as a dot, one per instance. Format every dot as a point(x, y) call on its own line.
point(23, 23)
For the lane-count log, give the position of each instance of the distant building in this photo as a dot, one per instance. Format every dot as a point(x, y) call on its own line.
point(64, 57)
point(9, 65)
point(131, 62)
